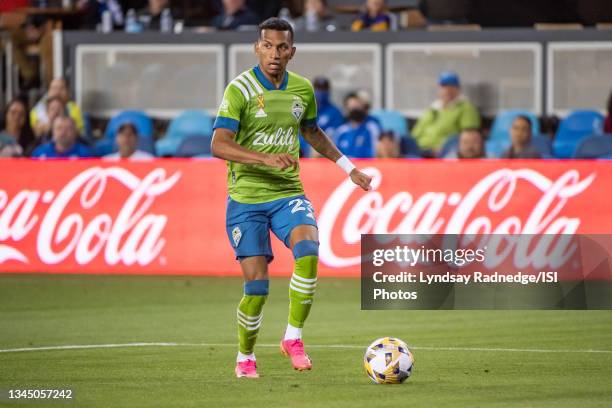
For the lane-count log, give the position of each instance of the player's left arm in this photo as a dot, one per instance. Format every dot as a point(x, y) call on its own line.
point(322, 144)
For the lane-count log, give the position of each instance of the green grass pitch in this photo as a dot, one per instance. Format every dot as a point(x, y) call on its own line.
point(463, 358)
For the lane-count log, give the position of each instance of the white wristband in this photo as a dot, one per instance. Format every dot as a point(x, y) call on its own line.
point(345, 164)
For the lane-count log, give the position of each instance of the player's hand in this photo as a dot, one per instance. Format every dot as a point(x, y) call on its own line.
point(280, 161)
point(361, 179)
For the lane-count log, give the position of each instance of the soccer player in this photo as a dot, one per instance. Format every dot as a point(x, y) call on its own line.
point(256, 131)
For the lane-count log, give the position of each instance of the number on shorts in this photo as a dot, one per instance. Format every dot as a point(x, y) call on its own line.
point(298, 205)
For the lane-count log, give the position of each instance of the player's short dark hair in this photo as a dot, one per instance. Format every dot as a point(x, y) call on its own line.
point(276, 24)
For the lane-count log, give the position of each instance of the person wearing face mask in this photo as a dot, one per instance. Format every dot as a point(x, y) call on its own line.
point(447, 116)
point(359, 136)
point(330, 117)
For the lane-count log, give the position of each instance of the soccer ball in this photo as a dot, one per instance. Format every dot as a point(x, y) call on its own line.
point(388, 361)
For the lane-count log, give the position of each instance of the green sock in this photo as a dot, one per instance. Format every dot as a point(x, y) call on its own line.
point(302, 289)
point(249, 316)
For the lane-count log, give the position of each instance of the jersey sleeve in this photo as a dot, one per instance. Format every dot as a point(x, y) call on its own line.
point(310, 118)
point(232, 105)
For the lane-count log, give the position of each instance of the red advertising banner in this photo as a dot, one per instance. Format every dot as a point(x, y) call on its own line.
point(168, 216)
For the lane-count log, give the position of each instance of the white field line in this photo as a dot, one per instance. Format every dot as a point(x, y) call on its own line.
point(336, 346)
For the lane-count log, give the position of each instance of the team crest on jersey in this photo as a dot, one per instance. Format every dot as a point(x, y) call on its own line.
point(261, 104)
point(236, 235)
point(297, 109)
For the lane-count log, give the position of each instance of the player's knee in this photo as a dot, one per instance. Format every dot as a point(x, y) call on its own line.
point(258, 287)
point(305, 248)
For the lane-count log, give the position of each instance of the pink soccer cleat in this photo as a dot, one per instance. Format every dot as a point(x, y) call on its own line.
point(246, 368)
point(294, 348)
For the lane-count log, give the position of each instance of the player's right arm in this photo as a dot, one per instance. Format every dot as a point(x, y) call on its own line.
point(224, 145)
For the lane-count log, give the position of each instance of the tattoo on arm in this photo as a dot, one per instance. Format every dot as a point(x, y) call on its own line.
point(321, 142)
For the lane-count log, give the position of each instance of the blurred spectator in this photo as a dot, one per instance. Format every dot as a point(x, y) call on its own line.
point(387, 146)
point(329, 116)
point(54, 108)
point(150, 16)
point(127, 142)
point(38, 115)
point(520, 134)
point(608, 121)
point(471, 146)
point(317, 17)
point(374, 18)
point(357, 137)
point(34, 34)
point(92, 12)
point(235, 14)
point(64, 144)
point(447, 116)
point(16, 135)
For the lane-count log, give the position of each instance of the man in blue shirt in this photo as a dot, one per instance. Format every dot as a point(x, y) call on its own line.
point(64, 144)
point(329, 116)
point(359, 136)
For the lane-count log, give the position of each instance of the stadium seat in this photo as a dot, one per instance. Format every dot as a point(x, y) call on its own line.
point(143, 124)
point(192, 146)
point(576, 126)
point(106, 146)
point(544, 146)
point(141, 121)
point(392, 121)
point(409, 147)
point(496, 148)
point(500, 130)
point(594, 147)
point(103, 147)
point(188, 123)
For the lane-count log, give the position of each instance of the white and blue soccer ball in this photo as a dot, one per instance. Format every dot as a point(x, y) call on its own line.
point(388, 361)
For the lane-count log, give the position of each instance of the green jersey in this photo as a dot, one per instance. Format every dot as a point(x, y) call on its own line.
point(267, 120)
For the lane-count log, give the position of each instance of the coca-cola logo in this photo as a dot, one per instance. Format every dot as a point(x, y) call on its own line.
point(131, 236)
point(371, 214)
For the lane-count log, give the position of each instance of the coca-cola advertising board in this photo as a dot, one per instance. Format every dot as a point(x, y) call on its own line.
point(168, 216)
